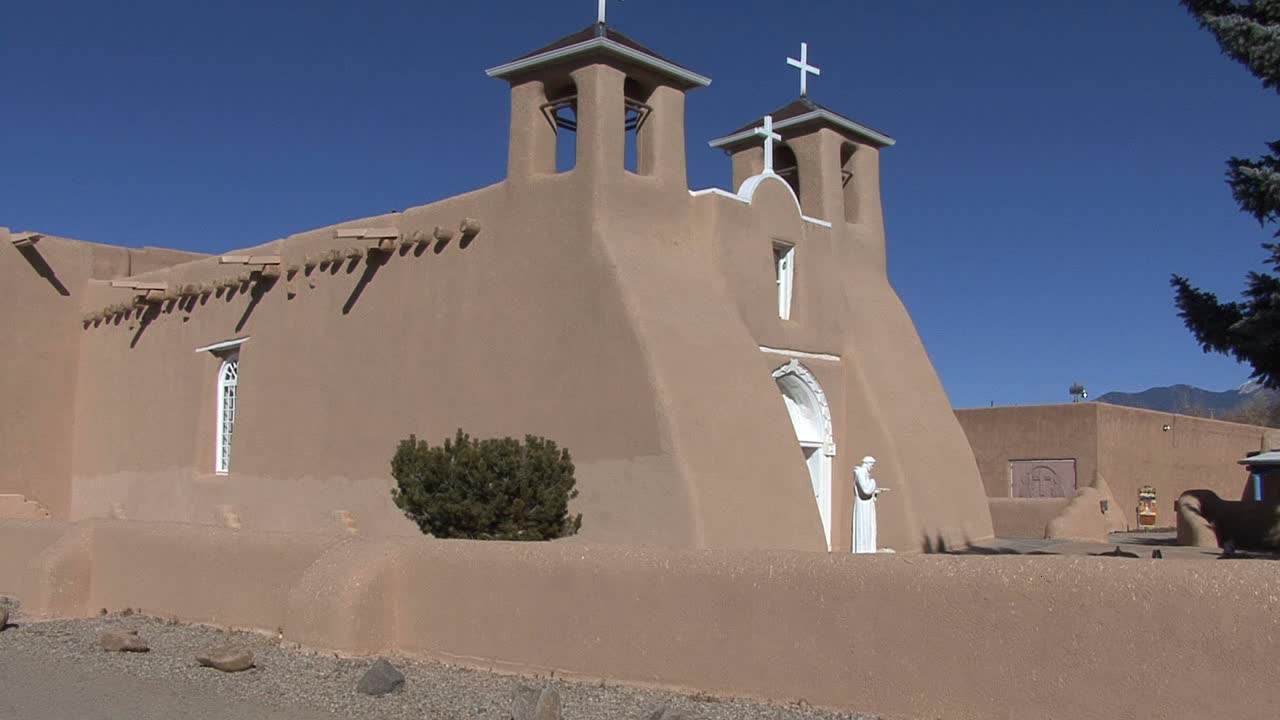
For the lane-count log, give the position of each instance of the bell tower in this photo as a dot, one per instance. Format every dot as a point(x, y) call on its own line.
point(831, 162)
point(601, 90)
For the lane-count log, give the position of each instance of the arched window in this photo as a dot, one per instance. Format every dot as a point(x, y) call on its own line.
point(228, 377)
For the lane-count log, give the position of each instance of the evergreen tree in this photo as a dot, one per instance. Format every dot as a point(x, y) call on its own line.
point(1248, 329)
point(492, 489)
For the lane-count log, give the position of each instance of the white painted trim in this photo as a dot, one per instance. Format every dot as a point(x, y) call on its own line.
point(599, 43)
point(804, 375)
point(825, 496)
point(831, 117)
point(751, 184)
point(222, 445)
point(719, 193)
point(800, 354)
point(785, 275)
point(224, 345)
point(746, 197)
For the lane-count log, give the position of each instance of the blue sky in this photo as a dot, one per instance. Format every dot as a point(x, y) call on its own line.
point(1056, 161)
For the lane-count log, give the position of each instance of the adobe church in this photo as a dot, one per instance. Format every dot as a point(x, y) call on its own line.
point(717, 361)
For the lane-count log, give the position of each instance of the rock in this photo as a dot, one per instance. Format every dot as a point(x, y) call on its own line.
point(531, 703)
point(380, 679)
point(4, 617)
point(666, 713)
point(228, 659)
point(122, 641)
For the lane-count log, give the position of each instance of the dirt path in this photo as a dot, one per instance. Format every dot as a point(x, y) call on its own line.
point(34, 688)
point(57, 671)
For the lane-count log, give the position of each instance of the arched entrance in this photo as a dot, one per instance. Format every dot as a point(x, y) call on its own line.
point(811, 420)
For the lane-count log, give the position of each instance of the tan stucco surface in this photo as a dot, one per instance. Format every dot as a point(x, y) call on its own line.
point(1082, 519)
point(1126, 446)
point(922, 636)
point(1024, 517)
point(45, 285)
point(606, 308)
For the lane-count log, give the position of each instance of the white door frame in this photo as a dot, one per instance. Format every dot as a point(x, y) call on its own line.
point(810, 413)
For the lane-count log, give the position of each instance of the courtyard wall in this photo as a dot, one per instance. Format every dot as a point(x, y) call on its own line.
point(920, 636)
point(1127, 447)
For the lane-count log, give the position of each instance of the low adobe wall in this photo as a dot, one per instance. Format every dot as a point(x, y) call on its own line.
point(1129, 446)
point(922, 636)
point(1024, 517)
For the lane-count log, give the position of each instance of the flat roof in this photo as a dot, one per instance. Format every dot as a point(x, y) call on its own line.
point(1271, 457)
point(800, 112)
point(599, 38)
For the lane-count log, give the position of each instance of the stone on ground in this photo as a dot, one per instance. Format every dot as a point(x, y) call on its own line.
point(531, 703)
point(122, 641)
point(4, 618)
point(666, 713)
point(380, 679)
point(229, 659)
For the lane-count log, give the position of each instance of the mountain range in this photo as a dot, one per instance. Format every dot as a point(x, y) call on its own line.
point(1190, 400)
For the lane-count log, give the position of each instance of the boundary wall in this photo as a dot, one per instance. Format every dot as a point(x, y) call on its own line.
point(913, 635)
point(1130, 447)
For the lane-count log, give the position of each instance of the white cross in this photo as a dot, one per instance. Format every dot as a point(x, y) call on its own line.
point(770, 137)
point(803, 63)
point(600, 14)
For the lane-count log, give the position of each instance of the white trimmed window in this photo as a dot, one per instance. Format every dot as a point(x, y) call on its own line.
point(784, 262)
point(228, 377)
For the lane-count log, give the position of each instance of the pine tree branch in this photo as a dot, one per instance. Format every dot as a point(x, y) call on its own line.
point(1255, 184)
point(1248, 33)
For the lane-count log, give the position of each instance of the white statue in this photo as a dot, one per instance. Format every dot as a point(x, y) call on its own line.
point(864, 507)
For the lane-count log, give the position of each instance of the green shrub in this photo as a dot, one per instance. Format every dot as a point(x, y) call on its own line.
point(486, 489)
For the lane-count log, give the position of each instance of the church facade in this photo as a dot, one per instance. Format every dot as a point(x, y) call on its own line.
point(716, 361)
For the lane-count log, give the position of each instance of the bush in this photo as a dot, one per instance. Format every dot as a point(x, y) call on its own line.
point(486, 489)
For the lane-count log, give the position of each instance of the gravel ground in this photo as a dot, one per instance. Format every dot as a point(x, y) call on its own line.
point(56, 669)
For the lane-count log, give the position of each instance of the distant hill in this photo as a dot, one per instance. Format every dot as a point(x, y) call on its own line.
point(1190, 400)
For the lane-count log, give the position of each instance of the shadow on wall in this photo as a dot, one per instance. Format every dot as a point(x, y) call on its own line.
point(372, 264)
point(42, 268)
point(255, 296)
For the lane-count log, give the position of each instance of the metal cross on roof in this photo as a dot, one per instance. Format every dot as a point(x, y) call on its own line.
point(601, 12)
point(803, 63)
point(770, 137)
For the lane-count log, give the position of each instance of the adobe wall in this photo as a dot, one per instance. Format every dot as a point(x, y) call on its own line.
point(555, 320)
point(44, 287)
point(1033, 432)
point(519, 331)
point(1024, 517)
point(861, 633)
point(1195, 453)
point(844, 307)
point(1127, 446)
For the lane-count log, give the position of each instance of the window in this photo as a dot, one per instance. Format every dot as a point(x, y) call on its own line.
point(786, 165)
point(228, 377)
point(784, 261)
point(561, 110)
point(848, 171)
